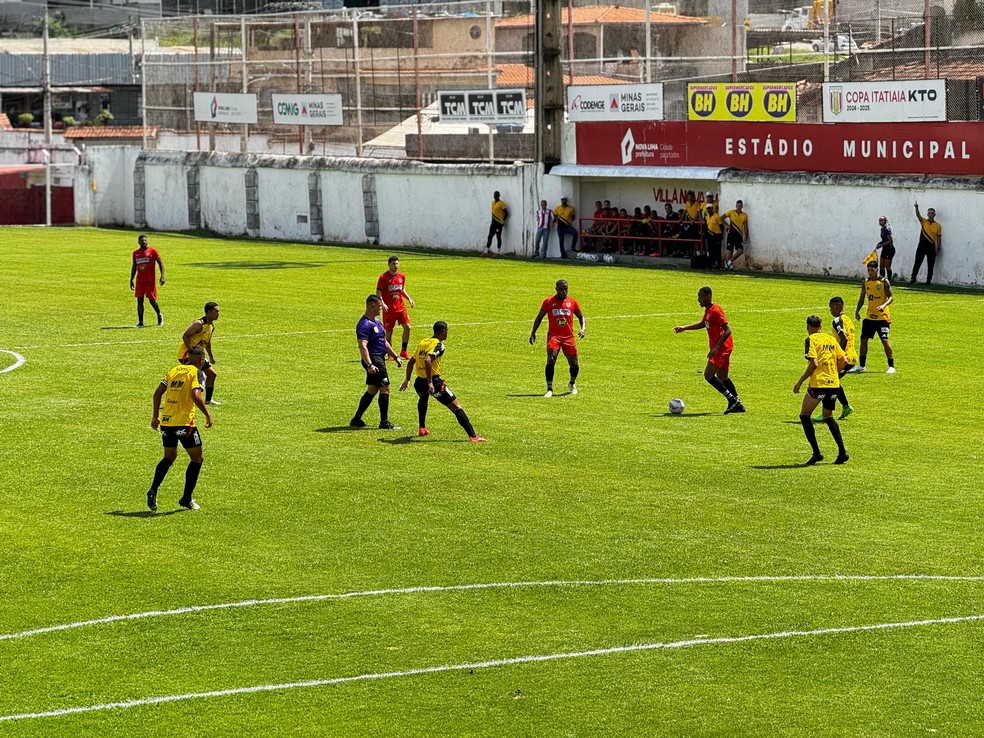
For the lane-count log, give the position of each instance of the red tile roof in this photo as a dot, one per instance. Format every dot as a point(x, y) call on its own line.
point(605, 14)
point(108, 132)
point(5, 123)
point(520, 75)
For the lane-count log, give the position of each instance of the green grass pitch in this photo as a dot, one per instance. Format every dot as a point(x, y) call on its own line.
point(604, 487)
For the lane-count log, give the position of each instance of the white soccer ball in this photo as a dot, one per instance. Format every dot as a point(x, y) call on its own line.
point(591, 257)
point(676, 406)
point(609, 259)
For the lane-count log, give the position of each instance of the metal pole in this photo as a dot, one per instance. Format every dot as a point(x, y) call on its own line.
point(143, 82)
point(649, 42)
point(570, 42)
point(926, 38)
point(878, 32)
point(46, 84)
point(488, 71)
point(297, 66)
point(198, 126)
point(734, 40)
point(358, 80)
point(824, 16)
point(416, 87)
point(244, 142)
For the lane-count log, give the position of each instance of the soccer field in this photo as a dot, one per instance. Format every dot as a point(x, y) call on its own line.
point(599, 567)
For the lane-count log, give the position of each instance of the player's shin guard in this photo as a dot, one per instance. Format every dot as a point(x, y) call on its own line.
point(209, 391)
point(384, 407)
point(464, 422)
point(191, 479)
point(422, 410)
point(730, 386)
point(835, 431)
point(364, 402)
point(811, 434)
point(160, 472)
point(549, 374)
point(719, 386)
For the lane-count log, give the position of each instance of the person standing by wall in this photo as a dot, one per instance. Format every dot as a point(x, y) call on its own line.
point(544, 222)
point(886, 243)
point(737, 233)
point(499, 214)
point(565, 225)
point(930, 243)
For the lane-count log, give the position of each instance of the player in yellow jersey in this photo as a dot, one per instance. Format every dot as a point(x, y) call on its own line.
point(930, 243)
point(181, 394)
point(199, 334)
point(426, 361)
point(825, 358)
point(737, 233)
point(843, 331)
point(876, 293)
point(499, 215)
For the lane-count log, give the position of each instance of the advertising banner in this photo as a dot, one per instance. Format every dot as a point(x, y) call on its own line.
point(910, 101)
point(307, 110)
point(225, 107)
point(614, 102)
point(759, 101)
point(856, 148)
point(482, 106)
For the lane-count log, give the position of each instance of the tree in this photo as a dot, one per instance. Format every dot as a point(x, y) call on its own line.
point(968, 13)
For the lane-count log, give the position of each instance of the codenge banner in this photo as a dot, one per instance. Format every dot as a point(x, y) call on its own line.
point(748, 102)
point(614, 102)
point(884, 102)
point(855, 148)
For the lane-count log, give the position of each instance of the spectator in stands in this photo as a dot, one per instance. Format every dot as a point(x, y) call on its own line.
point(692, 213)
point(709, 201)
point(566, 216)
point(714, 235)
point(624, 232)
point(668, 223)
point(590, 236)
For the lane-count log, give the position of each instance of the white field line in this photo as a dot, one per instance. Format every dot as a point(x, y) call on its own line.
point(20, 360)
point(525, 321)
point(485, 585)
point(486, 664)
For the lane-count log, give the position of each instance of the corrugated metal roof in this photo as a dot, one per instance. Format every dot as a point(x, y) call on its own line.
point(24, 70)
point(77, 132)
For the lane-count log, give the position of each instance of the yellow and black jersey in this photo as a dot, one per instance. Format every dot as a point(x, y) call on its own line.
point(499, 211)
point(929, 233)
point(844, 326)
point(715, 224)
point(824, 349)
point(202, 338)
point(694, 210)
point(876, 292)
point(433, 348)
point(178, 407)
point(738, 220)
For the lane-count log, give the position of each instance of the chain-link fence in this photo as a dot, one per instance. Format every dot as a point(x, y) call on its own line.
point(389, 63)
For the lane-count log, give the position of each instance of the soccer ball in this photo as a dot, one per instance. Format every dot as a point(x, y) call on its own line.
point(608, 259)
point(676, 406)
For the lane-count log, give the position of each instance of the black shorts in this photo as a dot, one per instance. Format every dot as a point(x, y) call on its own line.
point(888, 252)
point(870, 327)
point(736, 240)
point(442, 393)
point(187, 435)
point(380, 378)
point(828, 396)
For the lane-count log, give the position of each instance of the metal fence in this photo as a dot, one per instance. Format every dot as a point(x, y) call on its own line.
point(389, 63)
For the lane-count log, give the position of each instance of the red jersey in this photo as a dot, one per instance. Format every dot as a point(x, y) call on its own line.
point(560, 314)
point(714, 320)
point(146, 262)
point(391, 285)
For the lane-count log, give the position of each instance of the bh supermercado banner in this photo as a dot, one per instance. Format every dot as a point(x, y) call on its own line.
point(750, 102)
point(482, 106)
point(307, 110)
point(614, 102)
point(911, 101)
point(225, 107)
point(856, 148)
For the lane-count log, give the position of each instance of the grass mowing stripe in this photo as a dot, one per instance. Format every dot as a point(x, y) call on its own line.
point(488, 664)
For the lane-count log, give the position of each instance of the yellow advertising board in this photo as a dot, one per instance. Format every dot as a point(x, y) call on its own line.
point(758, 101)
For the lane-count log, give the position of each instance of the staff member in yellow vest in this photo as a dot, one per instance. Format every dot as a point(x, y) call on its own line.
point(199, 334)
point(499, 215)
point(877, 292)
point(565, 216)
point(738, 236)
point(930, 243)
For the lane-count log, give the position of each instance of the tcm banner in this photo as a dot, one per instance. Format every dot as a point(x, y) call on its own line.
point(225, 107)
point(482, 106)
point(614, 102)
point(884, 102)
point(751, 102)
point(856, 148)
point(307, 110)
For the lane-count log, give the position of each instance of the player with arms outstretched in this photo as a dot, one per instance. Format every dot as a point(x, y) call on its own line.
point(559, 310)
point(391, 289)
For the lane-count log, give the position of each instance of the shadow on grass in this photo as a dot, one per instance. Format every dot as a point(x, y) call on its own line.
point(780, 466)
point(119, 328)
point(340, 429)
point(684, 415)
point(259, 264)
point(404, 440)
point(143, 513)
point(555, 394)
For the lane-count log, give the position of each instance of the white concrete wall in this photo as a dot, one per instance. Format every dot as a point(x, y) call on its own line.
point(342, 206)
point(284, 197)
point(104, 186)
point(166, 201)
point(827, 225)
point(223, 199)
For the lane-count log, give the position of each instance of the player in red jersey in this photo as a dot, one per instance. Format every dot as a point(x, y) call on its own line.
point(719, 357)
point(145, 258)
point(391, 289)
point(560, 333)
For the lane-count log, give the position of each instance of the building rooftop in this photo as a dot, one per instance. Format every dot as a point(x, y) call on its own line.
point(596, 14)
point(520, 75)
point(90, 132)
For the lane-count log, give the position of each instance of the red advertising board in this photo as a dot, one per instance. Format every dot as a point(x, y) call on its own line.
point(856, 148)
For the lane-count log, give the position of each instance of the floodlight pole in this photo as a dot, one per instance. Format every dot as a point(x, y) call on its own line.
point(46, 93)
point(488, 71)
point(649, 43)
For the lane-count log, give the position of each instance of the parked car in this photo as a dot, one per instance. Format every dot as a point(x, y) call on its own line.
point(840, 44)
point(797, 19)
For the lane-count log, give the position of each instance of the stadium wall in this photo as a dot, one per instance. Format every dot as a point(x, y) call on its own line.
point(104, 186)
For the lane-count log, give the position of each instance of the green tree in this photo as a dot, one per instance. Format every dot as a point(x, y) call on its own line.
point(968, 13)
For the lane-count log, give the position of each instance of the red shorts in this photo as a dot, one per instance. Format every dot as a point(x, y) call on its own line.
point(555, 343)
point(392, 317)
point(722, 359)
point(145, 290)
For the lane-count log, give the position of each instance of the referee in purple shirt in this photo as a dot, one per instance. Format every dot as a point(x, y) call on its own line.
point(373, 349)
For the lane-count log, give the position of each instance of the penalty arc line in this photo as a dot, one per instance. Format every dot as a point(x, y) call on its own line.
point(487, 664)
point(476, 324)
point(485, 586)
point(19, 361)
